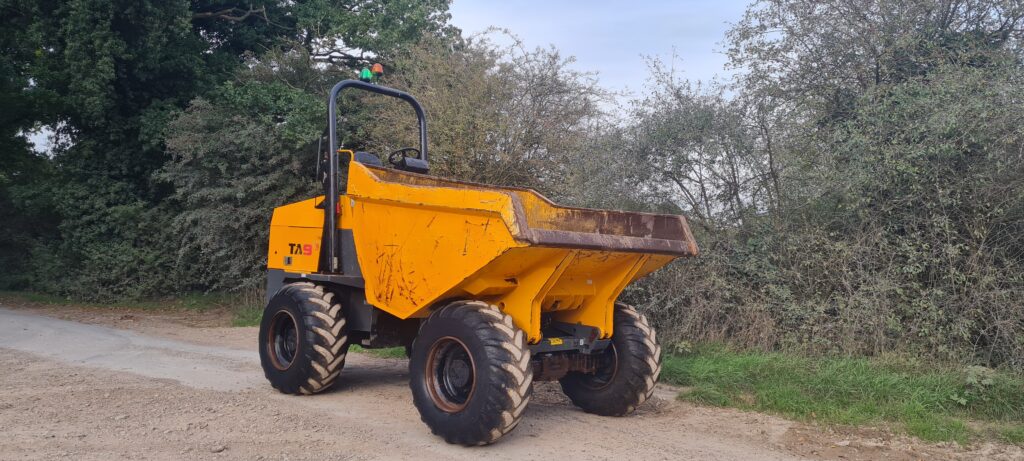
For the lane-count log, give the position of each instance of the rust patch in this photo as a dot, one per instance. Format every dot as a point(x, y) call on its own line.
point(568, 239)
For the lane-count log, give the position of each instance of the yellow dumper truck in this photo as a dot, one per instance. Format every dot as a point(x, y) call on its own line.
point(488, 289)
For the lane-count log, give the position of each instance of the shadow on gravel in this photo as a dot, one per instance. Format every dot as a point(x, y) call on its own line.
point(365, 376)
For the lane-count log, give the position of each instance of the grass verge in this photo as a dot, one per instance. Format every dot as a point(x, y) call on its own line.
point(384, 353)
point(246, 308)
point(247, 316)
point(930, 402)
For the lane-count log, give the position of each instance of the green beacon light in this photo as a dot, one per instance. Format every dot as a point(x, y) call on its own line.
point(365, 75)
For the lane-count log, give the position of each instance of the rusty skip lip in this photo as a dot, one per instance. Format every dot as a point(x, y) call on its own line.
point(568, 239)
point(686, 245)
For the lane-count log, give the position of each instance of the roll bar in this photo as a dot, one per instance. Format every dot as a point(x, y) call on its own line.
point(331, 192)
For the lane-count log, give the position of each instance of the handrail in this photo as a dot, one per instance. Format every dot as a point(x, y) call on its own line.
point(332, 193)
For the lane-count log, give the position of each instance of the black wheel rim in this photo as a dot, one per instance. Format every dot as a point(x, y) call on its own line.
point(283, 340)
point(605, 373)
point(450, 374)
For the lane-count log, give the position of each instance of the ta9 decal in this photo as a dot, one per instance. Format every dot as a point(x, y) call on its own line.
point(300, 249)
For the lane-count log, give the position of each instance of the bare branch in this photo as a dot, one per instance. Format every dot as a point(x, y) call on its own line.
point(233, 14)
point(335, 56)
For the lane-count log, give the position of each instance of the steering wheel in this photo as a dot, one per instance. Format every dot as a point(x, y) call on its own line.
point(395, 157)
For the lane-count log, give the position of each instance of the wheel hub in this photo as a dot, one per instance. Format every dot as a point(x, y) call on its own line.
point(450, 374)
point(605, 372)
point(282, 340)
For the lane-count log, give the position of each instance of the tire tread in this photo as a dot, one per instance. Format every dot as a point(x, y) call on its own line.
point(325, 326)
point(507, 347)
point(640, 366)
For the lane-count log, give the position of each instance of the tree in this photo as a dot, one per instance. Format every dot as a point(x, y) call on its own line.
point(940, 186)
point(247, 148)
point(26, 210)
point(124, 71)
point(828, 52)
point(864, 181)
point(498, 115)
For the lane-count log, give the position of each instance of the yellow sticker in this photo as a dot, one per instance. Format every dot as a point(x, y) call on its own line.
point(555, 341)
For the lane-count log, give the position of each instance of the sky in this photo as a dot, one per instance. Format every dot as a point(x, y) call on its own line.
point(613, 38)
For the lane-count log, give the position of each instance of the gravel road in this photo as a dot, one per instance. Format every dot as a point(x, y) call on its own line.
point(103, 385)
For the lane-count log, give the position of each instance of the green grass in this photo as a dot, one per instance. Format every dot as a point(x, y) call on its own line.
point(247, 316)
point(931, 402)
point(384, 353)
point(36, 298)
point(1012, 434)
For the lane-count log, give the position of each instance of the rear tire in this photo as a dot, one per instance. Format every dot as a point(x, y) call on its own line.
point(470, 373)
point(303, 339)
point(633, 363)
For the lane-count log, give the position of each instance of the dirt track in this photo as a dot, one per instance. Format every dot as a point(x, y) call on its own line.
point(111, 384)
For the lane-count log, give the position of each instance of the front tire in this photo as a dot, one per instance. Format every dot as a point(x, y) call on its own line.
point(631, 367)
point(470, 373)
point(303, 339)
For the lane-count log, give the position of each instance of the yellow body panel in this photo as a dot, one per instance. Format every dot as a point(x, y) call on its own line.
point(421, 241)
point(295, 233)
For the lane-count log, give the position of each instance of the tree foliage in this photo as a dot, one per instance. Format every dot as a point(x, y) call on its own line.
point(498, 114)
point(862, 186)
point(248, 147)
point(124, 70)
